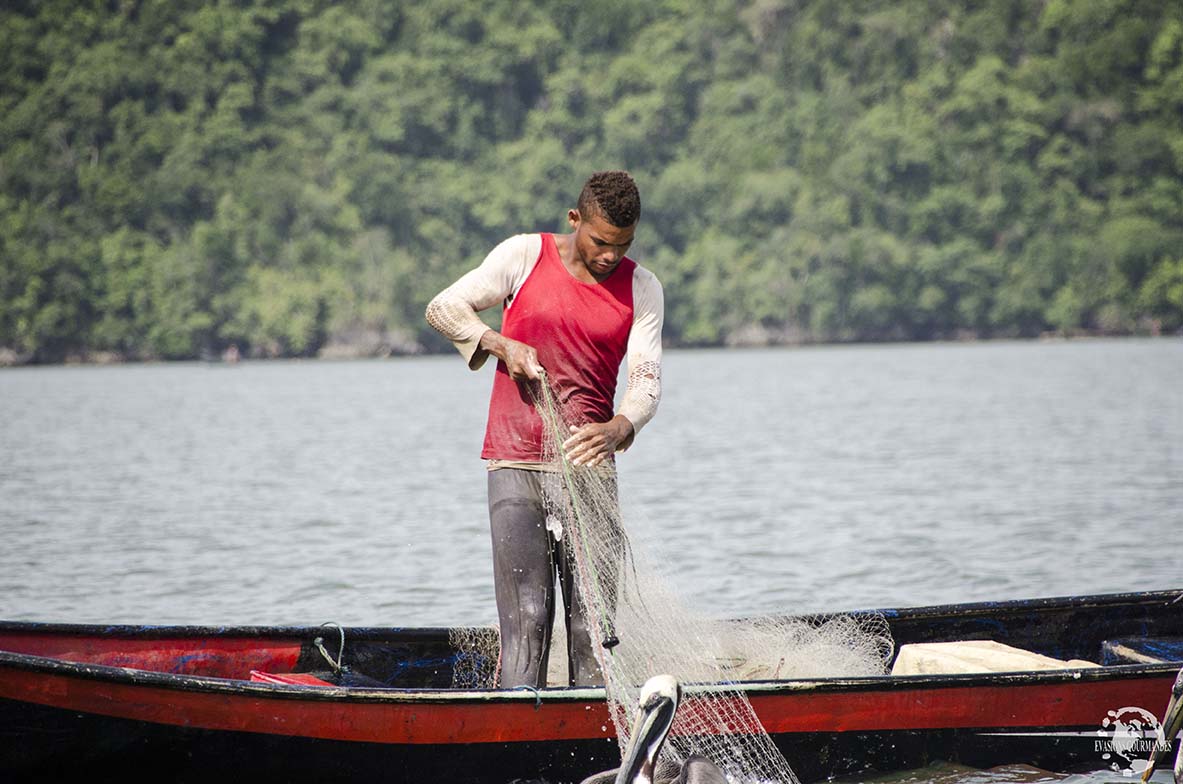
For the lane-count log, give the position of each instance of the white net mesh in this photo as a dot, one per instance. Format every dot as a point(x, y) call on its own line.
point(628, 601)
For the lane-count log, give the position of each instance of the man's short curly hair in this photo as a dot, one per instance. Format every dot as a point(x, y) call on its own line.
point(612, 194)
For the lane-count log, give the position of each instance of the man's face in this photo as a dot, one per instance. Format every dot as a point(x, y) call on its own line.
point(599, 245)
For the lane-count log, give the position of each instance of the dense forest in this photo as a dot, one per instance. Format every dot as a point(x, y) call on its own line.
point(299, 177)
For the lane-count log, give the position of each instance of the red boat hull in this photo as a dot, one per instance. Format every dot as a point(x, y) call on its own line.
point(71, 700)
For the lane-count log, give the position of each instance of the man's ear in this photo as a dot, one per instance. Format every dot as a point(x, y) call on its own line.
point(574, 218)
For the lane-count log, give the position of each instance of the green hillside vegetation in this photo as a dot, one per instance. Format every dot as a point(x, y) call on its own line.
point(300, 177)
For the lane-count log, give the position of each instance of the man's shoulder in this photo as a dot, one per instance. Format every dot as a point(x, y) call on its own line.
point(648, 296)
point(643, 276)
point(516, 251)
point(521, 240)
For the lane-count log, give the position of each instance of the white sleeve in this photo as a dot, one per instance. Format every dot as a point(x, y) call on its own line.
point(454, 310)
point(643, 392)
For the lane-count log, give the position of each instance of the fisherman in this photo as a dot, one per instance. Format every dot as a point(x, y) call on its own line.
point(575, 306)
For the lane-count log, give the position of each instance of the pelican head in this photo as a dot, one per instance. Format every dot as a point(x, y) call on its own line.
point(655, 715)
point(1172, 722)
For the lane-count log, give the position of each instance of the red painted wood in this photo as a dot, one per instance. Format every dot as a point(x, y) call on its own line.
point(1082, 703)
point(221, 657)
point(372, 721)
point(391, 720)
point(288, 678)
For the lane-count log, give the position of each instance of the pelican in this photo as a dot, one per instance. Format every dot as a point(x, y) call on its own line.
point(1172, 722)
point(655, 715)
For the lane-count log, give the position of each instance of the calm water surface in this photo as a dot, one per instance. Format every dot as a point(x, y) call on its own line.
point(771, 481)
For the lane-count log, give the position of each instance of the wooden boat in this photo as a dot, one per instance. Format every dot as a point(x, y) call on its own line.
point(180, 702)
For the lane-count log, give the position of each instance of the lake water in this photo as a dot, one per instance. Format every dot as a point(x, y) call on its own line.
point(784, 480)
point(770, 481)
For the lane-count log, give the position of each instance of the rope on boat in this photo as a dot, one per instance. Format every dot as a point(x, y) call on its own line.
point(537, 695)
point(319, 642)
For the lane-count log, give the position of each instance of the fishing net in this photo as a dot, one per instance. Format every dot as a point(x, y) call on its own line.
point(475, 665)
point(641, 628)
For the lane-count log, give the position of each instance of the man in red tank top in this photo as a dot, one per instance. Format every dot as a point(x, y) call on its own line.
point(577, 307)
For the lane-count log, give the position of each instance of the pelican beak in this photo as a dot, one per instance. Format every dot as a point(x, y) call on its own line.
point(655, 716)
point(1172, 723)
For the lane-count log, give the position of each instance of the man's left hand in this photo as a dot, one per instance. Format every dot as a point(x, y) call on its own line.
point(594, 443)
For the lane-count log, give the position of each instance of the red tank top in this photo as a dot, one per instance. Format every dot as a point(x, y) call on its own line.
point(580, 331)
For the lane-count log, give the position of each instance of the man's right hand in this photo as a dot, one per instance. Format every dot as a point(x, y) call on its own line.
point(520, 359)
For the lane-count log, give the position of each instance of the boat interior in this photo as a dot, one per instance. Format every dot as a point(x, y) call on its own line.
point(1033, 635)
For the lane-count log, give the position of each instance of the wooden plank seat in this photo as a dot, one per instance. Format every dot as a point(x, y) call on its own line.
point(1142, 650)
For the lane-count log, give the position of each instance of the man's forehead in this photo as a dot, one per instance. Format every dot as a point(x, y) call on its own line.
point(602, 229)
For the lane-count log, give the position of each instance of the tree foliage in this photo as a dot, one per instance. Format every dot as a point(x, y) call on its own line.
point(300, 176)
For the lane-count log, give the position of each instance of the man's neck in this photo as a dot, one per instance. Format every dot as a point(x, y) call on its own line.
point(565, 243)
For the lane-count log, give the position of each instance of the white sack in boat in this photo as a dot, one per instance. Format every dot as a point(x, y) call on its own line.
point(944, 658)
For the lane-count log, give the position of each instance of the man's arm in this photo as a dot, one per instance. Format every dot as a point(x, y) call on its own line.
point(594, 443)
point(521, 360)
point(453, 312)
